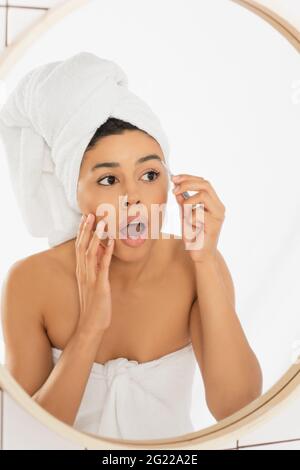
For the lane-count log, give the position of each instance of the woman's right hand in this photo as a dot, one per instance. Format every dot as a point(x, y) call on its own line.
point(92, 272)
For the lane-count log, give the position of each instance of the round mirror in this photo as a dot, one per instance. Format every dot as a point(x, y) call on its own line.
point(194, 335)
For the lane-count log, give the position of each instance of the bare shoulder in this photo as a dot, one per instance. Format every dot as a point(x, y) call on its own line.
point(23, 296)
point(26, 287)
point(23, 289)
point(31, 272)
point(23, 277)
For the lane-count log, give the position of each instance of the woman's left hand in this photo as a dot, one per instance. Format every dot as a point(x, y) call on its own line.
point(208, 225)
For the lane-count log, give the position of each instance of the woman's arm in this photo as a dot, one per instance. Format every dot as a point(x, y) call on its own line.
point(28, 354)
point(231, 372)
point(58, 389)
point(63, 390)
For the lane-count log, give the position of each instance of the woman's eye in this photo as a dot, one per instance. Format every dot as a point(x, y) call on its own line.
point(110, 178)
point(153, 175)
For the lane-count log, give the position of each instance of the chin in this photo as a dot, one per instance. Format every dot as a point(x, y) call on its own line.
point(132, 253)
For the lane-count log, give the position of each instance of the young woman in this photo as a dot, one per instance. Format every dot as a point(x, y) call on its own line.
point(71, 310)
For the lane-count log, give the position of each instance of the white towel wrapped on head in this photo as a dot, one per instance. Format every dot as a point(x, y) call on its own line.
point(46, 125)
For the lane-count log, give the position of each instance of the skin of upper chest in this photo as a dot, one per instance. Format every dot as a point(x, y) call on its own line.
point(155, 316)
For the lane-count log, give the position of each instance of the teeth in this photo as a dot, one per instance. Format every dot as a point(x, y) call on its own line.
point(140, 229)
point(135, 223)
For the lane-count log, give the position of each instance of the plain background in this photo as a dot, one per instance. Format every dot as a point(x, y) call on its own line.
point(226, 87)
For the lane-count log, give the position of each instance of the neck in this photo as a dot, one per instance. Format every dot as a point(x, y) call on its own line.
point(131, 273)
point(126, 274)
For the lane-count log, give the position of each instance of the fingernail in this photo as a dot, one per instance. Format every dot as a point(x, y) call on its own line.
point(175, 177)
point(89, 218)
point(99, 228)
point(110, 240)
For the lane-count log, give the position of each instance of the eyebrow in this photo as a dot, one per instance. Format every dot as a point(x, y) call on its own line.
point(117, 164)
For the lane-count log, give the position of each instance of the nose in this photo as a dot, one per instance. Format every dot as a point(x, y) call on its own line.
point(131, 202)
point(130, 198)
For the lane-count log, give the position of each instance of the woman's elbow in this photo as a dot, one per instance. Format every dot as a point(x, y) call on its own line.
point(232, 402)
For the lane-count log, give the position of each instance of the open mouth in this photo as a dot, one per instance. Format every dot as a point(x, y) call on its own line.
point(134, 230)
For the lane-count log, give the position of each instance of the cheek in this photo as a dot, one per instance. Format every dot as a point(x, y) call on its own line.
point(157, 194)
point(88, 197)
point(159, 197)
point(84, 196)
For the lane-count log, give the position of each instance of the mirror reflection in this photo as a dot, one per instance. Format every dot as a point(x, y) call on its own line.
point(189, 314)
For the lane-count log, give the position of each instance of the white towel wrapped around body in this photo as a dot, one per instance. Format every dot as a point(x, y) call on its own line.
point(127, 399)
point(46, 124)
